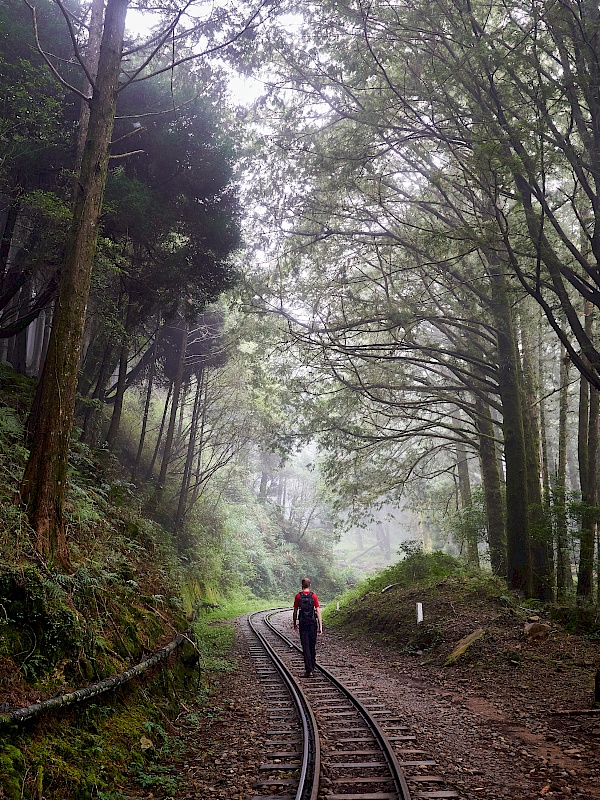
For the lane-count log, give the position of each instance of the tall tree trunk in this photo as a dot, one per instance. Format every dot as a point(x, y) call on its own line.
point(546, 493)
point(49, 314)
point(466, 499)
point(564, 577)
point(200, 442)
point(18, 356)
point(494, 501)
point(182, 540)
point(264, 479)
point(597, 583)
point(588, 456)
point(177, 384)
point(542, 558)
point(382, 536)
point(90, 429)
point(425, 531)
point(115, 420)
point(91, 363)
point(50, 422)
point(41, 324)
point(150, 471)
point(517, 519)
point(140, 450)
point(7, 236)
point(182, 404)
point(545, 457)
point(92, 56)
point(585, 573)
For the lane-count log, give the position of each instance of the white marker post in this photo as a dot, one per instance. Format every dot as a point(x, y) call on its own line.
point(419, 613)
point(337, 606)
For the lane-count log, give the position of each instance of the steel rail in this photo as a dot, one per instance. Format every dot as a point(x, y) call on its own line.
point(401, 786)
point(310, 732)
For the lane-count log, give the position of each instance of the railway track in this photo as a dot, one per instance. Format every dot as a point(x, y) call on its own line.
point(327, 737)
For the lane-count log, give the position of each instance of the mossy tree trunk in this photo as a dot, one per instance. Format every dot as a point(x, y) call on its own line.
point(50, 423)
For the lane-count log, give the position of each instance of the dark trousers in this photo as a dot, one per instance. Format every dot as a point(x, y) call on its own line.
point(308, 639)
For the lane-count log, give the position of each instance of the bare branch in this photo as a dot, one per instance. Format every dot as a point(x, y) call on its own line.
point(43, 54)
point(74, 42)
point(134, 132)
point(249, 25)
point(126, 155)
point(159, 113)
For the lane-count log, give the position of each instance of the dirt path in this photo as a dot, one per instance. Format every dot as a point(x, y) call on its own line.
point(492, 739)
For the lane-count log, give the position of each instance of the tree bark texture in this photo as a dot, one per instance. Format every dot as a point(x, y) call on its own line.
point(564, 577)
point(49, 427)
point(115, 420)
point(177, 384)
point(464, 488)
point(140, 450)
point(542, 557)
point(92, 56)
point(517, 518)
point(588, 458)
point(494, 501)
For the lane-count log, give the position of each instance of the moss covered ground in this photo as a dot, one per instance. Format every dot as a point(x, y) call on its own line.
point(127, 594)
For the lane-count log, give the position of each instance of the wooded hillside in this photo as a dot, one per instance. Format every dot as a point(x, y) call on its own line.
point(275, 276)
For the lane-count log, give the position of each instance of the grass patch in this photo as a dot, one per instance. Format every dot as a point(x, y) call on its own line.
point(215, 636)
point(235, 606)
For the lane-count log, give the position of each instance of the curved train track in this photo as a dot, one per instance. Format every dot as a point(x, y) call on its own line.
point(327, 738)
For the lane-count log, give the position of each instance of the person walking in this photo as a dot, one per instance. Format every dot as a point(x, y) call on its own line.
point(307, 617)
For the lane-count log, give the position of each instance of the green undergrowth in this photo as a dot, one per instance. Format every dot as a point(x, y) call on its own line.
point(122, 743)
point(583, 619)
point(384, 606)
point(100, 749)
point(457, 602)
point(125, 594)
point(215, 633)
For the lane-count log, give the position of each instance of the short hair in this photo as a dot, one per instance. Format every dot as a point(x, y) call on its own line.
point(305, 583)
